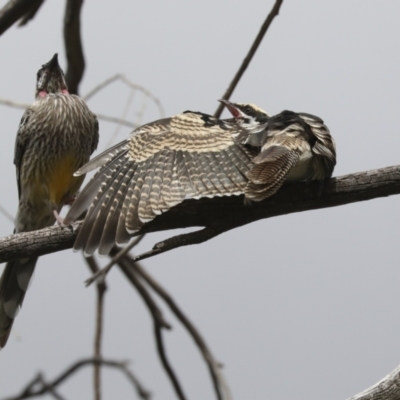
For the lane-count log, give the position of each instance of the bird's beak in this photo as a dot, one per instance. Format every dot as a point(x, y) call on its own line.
point(53, 63)
point(231, 108)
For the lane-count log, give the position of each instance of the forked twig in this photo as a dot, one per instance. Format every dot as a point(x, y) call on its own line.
point(100, 274)
point(220, 386)
point(37, 388)
point(157, 325)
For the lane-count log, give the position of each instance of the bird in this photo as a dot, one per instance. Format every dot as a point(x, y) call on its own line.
point(187, 156)
point(56, 136)
point(293, 147)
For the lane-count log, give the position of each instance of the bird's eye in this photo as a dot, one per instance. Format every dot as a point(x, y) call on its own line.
point(247, 109)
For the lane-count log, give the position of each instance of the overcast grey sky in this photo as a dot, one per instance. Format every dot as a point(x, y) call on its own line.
point(297, 307)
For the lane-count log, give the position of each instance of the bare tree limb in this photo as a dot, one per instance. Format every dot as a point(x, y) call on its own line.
point(37, 388)
point(73, 45)
point(224, 213)
point(101, 288)
point(386, 389)
point(17, 9)
point(31, 14)
point(273, 13)
point(220, 386)
point(158, 323)
point(114, 259)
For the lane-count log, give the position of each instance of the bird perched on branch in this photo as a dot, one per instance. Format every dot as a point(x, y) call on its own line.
point(294, 147)
point(56, 136)
point(188, 156)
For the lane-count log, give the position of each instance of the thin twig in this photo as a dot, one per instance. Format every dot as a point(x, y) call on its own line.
point(178, 241)
point(50, 389)
point(108, 118)
point(101, 289)
point(130, 274)
point(273, 13)
point(155, 311)
point(6, 214)
point(129, 83)
point(221, 388)
point(123, 117)
point(36, 388)
point(104, 271)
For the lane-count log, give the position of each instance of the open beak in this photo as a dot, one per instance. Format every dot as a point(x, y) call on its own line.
point(231, 108)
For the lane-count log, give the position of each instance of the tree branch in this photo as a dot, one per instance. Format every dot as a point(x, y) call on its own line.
point(225, 213)
point(73, 45)
point(386, 389)
point(273, 13)
point(220, 386)
point(17, 9)
point(158, 323)
point(101, 289)
point(38, 387)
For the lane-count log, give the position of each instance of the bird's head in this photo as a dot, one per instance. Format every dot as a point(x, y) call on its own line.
point(249, 116)
point(50, 79)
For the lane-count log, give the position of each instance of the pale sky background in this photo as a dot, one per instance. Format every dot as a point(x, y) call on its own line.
point(303, 306)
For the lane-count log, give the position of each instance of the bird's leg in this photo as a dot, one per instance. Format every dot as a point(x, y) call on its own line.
point(60, 220)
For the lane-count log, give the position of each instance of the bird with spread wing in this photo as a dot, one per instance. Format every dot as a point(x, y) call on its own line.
point(188, 156)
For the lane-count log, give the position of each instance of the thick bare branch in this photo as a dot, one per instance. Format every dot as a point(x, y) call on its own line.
point(225, 213)
point(73, 45)
point(273, 13)
point(386, 389)
point(17, 9)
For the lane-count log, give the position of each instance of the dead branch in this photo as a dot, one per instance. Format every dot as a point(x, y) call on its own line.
point(273, 13)
point(101, 288)
point(220, 386)
point(130, 84)
point(158, 323)
point(99, 274)
point(73, 45)
point(386, 389)
point(18, 9)
point(223, 214)
point(38, 387)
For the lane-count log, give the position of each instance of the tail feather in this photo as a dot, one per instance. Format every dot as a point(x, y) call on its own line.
point(13, 286)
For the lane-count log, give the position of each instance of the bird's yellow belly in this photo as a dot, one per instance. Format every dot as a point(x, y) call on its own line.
point(54, 182)
point(61, 182)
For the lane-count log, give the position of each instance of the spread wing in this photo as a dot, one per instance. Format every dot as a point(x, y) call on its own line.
point(188, 156)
